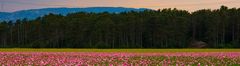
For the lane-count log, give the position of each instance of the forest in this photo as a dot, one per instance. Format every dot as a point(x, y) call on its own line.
point(163, 28)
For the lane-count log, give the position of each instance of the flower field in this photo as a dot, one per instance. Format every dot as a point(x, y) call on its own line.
point(120, 59)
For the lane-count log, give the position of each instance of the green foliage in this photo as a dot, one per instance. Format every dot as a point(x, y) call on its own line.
point(167, 28)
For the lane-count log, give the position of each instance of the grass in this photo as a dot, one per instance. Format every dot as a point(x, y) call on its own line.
point(115, 50)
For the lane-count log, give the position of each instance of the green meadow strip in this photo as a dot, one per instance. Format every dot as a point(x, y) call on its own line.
point(116, 50)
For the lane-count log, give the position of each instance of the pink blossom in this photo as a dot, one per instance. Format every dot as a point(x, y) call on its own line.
point(116, 59)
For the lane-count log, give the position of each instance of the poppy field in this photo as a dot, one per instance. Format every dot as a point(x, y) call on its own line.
point(119, 57)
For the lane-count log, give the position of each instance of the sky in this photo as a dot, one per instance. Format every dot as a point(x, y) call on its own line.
point(190, 5)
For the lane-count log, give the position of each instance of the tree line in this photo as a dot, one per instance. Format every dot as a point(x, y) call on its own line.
point(166, 28)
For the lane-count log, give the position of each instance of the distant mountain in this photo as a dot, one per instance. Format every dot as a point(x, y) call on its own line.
point(3, 15)
point(34, 13)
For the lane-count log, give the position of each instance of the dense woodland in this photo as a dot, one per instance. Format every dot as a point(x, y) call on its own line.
point(166, 28)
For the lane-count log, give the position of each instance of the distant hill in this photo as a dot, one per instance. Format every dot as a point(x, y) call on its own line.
point(3, 14)
point(34, 13)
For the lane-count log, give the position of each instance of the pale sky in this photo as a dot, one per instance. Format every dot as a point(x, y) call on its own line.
point(191, 5)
